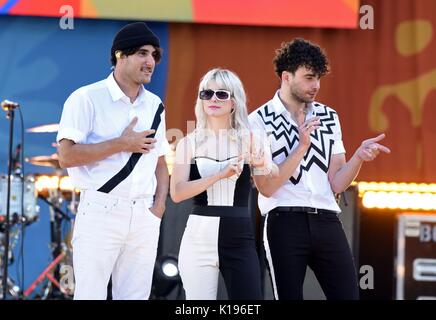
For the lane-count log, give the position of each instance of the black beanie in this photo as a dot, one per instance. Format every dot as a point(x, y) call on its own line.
point(133, 35)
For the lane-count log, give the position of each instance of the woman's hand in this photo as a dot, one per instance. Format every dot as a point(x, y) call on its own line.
point(233, 168)
point(261, 161)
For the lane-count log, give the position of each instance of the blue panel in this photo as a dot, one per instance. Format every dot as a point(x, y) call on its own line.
point(40, 65)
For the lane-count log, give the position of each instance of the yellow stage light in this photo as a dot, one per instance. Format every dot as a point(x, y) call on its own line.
point(392, 195)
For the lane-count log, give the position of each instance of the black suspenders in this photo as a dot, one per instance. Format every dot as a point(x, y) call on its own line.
point(133, 160)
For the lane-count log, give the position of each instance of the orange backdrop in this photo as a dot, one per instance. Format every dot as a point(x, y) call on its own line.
point(382, 80)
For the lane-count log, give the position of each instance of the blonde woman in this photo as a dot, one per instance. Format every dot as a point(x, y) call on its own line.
point(213, 167)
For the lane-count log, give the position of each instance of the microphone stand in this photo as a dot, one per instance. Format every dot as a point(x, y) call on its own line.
point(9, 107)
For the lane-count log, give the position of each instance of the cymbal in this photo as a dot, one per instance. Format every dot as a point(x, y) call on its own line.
point(54, 127)
point(45, 161)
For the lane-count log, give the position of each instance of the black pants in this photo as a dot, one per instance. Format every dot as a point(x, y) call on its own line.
point(239, 263)
point(294, 241)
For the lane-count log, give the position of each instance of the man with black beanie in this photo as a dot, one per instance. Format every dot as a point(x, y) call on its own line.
point(112, 141)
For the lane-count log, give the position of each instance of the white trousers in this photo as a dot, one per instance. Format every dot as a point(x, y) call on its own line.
point(118, 237)
point(198, 258)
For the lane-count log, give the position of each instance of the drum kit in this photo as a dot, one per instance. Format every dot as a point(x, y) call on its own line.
point(57, 192)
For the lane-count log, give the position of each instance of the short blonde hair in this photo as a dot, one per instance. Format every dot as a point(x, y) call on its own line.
point(227, 80)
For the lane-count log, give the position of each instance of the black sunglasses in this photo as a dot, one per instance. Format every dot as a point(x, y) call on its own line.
point(222, 95)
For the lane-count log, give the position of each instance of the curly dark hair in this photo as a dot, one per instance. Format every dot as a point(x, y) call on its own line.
point(157, 55)
point(300, 53)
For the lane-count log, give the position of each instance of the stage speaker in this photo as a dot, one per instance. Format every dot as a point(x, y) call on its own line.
point(415, 262)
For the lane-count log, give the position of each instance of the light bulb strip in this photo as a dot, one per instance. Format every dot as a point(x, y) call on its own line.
point(364, 187)
point(399, 200)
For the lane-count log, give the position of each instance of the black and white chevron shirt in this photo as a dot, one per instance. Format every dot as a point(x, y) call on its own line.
point(309, 185)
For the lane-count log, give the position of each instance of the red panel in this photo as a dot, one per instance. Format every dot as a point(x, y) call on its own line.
point(44, 8)
point(315, 13)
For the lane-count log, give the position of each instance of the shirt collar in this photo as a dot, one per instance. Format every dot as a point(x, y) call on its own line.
point(118, 94)
point(277, 104)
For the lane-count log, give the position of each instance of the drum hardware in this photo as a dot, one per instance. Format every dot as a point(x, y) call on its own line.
point(12, 289)
point(46, 161)
point(30, 206)
point(53, 127)
point(56, 207)
point(58, 247)
point(56, 190)
point(48, 272)
point(52, 189)
point(9, 107)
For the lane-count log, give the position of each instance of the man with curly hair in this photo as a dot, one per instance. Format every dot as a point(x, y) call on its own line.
point(302, 227)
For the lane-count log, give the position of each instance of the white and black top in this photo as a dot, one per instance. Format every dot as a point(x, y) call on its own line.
point(309, 185)
point(100, 112)
point(232, 191)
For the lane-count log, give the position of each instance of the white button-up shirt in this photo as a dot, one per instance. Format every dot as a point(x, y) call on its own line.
point(100, 112)
point(309, 185)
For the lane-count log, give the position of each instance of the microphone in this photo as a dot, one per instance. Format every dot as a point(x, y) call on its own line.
point(9, 105)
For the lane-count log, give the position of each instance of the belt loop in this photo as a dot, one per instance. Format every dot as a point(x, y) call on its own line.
point(313, 211)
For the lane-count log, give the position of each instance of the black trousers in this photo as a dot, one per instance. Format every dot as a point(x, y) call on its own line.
point(239, 262)
point(294, 241)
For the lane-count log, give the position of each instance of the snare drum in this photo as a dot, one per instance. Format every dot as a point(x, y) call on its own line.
point(31, 209)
